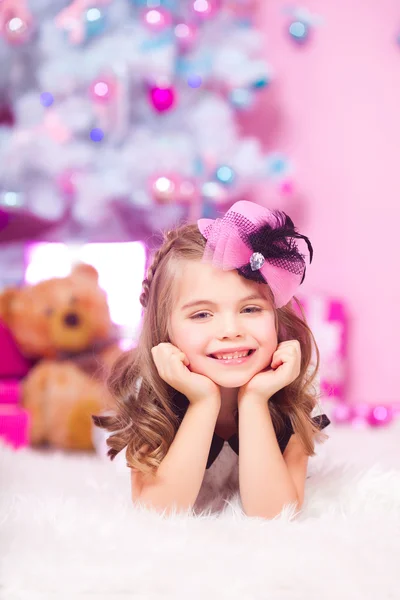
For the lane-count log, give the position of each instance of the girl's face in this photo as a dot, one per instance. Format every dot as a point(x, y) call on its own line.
point(222, 318)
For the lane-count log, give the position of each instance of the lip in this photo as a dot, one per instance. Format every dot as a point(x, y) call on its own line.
point(234, 361)
point(231, 350)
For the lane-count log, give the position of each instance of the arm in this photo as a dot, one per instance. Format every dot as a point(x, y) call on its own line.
point(177, 482)
point(267, 480)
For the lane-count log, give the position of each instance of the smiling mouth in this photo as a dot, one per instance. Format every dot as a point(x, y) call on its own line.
point(235, 355)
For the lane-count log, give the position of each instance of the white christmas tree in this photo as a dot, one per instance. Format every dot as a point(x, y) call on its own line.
point(126, 112)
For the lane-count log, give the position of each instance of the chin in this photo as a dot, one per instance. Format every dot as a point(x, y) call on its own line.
point(232, 380)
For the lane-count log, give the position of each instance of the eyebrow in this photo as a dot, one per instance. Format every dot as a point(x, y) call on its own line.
point(211, 303)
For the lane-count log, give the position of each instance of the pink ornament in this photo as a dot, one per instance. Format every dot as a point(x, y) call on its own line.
point(286, 187)
point(242, 8)
point(102, 90)
point(71, 18)
point(163, 188)
point(66, 184)
point(360, 416)
point(16, 22)
point(380, 415)
point(156, 19)
point(205, 9)
point(162, 98)
point(54, 127)
point(17, 31)
point(342, 413)
point(186, 36)
point(362, 410)
point(187, 192)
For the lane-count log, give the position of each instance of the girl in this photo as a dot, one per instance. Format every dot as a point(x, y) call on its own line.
point(223, 356)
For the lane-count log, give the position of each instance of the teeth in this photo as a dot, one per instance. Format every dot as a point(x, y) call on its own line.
point(229, 356)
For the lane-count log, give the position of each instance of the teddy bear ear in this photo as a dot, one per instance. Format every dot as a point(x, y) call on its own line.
point(85, 270)
point(6, 299)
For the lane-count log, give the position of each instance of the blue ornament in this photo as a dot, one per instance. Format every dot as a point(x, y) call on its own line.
point(299, 31)
point(195, 81)
point(225, 175)
point(96, 135)
point(241, 98)
point(245, 22)
point(170, 4)
point(277, 165)
point(95, 22)
point(185, 67)
point(166, 38)
point(198, 167)
point(46, 99)
point(260, 83)
point(209, 210)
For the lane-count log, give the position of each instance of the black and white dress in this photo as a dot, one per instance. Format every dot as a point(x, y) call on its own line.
point(221, 478)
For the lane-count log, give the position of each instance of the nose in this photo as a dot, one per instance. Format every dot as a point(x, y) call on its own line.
point(230, 327)
point(71, 319)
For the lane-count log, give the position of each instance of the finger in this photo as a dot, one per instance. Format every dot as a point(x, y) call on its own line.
point(185, 359)
point(291, 350)
point(175, 370)
point(282, 357)
point(165, 349)
point(276, 362)
point(181, 357)
point(289, 343)
point(168, 347)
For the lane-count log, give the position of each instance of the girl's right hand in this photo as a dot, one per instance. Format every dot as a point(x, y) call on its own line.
point(172, 366)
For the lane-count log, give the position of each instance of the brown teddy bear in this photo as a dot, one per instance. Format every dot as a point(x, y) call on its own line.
point(65, 325)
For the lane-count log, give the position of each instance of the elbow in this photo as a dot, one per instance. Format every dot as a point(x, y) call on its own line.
point(269, 512)
point(267, 515)
point(159, 507)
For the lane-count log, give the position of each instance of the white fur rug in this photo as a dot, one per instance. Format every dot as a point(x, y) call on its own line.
point(68, 530)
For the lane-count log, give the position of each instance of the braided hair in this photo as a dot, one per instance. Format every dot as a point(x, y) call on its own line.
point(169, 240)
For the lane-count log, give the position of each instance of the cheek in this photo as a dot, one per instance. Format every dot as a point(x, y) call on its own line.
point(187, 338)
point(267, 338)
point(193, 343)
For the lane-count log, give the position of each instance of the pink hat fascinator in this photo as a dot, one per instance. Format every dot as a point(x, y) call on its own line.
point(260, 244)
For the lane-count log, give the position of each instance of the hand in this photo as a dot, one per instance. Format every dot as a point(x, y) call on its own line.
point(285, 368)
point(172, 366)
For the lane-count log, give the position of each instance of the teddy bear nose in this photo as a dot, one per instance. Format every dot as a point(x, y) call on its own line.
point(71, 320)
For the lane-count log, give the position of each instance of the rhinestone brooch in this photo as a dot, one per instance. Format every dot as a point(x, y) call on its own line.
point(256, 261)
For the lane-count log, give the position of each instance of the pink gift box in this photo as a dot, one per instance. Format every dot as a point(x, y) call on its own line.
point(12, 362)
point(327, 318)
point(10, 391)
point(14, 425)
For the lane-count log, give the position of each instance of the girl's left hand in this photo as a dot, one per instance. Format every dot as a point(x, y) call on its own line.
point(284, 368)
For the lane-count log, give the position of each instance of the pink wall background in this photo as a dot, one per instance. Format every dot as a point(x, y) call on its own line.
point(334, 107)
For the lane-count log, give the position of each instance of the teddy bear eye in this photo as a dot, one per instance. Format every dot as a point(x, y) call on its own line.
point(48, 311)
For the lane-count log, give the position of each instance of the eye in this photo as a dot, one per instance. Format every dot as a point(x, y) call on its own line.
point(202, 315)
point(253, 309)
point(199, 315)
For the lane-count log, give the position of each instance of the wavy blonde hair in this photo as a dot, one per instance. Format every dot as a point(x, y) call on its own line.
point(143, 421)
